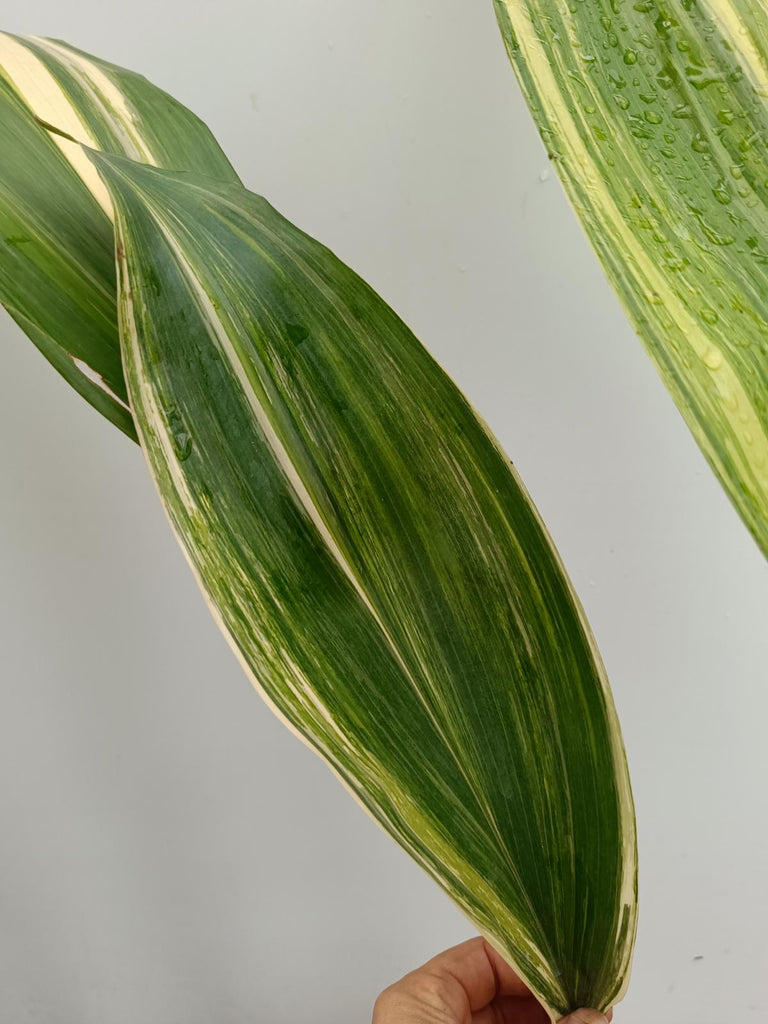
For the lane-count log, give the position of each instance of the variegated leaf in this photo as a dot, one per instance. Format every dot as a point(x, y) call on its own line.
point(57, 276)
point(380, 571)
point(654, 113)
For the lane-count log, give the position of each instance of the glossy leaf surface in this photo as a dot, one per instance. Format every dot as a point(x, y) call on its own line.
point(380, 570)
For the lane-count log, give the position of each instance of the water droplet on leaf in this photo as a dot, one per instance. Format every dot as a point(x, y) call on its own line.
point(297, 333)
point(182, 442)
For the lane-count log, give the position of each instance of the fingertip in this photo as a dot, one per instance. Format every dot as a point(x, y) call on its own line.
point(586, 1017)
point(508, 982)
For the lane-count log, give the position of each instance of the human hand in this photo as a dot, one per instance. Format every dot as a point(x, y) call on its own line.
point(468, 984)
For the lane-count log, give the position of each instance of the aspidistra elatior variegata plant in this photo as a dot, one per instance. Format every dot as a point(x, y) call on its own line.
point(375, 562)
point(654, 113)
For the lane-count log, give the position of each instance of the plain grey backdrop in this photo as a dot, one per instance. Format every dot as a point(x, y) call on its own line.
point(168, 852)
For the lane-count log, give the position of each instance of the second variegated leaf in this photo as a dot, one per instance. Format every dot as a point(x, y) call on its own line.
point(655, 115)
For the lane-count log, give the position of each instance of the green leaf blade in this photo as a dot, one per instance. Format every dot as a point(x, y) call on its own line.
point(380, 571)
point(57, 277)
point(655, 117)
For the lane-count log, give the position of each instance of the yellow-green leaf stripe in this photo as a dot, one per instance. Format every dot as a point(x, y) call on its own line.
point(655, 116)
point(380, 571)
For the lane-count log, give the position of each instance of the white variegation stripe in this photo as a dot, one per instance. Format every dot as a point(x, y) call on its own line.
point(97, 379)
point(106, 97)
point(37, 87)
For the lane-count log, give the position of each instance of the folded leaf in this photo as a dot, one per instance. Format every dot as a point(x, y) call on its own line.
point(655, 116)
point(380, 571)
point(57, 276)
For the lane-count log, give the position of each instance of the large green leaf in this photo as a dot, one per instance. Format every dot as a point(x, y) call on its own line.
point(380, 570)
point(655, 115)
point(57, 274)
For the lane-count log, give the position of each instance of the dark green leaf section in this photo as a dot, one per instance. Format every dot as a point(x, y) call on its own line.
point(57, 276)
point(380, 571)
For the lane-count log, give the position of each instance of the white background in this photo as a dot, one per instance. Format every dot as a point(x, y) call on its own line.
point(168, 852)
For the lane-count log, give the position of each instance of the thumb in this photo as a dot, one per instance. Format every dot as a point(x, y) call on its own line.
point(585, 1017)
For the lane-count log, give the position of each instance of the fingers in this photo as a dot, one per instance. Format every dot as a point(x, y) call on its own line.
point(452, 987)
point(508, 983)
point(511, 1010)
point(466, 966)
point(469, 982)
point(479, 970)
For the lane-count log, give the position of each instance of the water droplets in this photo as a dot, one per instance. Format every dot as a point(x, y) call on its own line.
point(702, 77)
point(748, 141)
point(297, 333)
point(676, 263)
point(666, 77)
point(180, 436)
point(713, 357)
point(713, 235)
point(639, 128)
point(182, 442)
